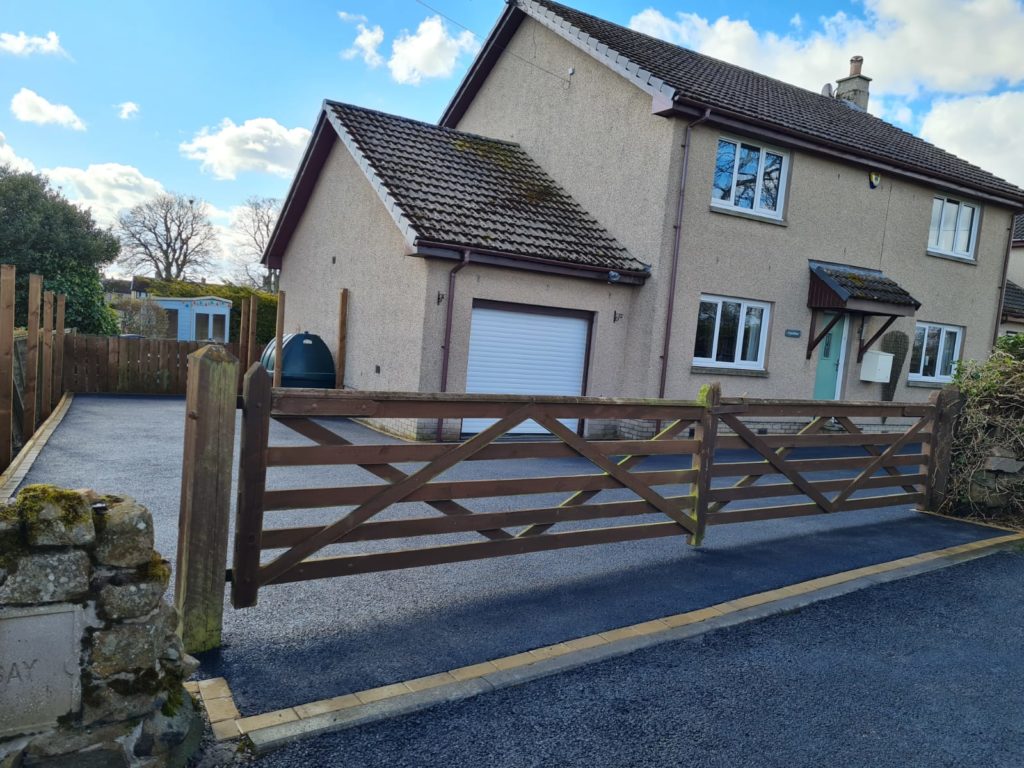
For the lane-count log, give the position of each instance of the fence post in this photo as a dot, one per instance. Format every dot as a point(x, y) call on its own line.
point(279, 341)
point(7, 276)
point(254, 312)
point(243, 340)
point(58, 352)
point(252, 480)
point(47, 376)
point(939, 449)
point(706, 432)
point(342, 338)
point(205, 496)
point(30, 397)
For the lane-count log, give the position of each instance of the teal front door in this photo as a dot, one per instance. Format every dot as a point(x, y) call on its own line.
point(830, 360)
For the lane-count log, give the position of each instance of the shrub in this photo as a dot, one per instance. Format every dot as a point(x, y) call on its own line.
point(991, 423)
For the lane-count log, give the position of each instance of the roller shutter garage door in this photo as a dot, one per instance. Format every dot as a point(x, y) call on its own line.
point(525, 353)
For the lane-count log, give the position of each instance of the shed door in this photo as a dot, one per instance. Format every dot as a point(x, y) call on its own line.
point(525, 353)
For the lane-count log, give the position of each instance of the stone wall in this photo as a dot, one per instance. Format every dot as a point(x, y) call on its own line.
point(91, 666)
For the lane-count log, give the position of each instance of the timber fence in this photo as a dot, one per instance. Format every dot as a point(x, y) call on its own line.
point(705, 467)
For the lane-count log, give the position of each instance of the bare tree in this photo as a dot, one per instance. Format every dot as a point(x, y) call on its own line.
point(170, 234)
point(254, 224)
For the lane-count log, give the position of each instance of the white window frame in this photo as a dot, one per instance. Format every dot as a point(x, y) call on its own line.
point(757, 210)
point(967, 255)
point(942, 328)
point(762, 349)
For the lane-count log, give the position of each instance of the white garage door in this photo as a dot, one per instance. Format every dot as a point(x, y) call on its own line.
point(525, 353)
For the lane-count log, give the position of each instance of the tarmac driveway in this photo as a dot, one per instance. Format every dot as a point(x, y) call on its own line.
point(318, 639)
point(918, 673)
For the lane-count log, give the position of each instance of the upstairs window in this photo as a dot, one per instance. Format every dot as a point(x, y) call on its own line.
point(750, 177)
point(953, 227)
point(936, 352)
point(731, 333)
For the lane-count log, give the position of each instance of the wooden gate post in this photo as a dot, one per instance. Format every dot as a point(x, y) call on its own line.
point(205, 496)
point(58, 351)
point(706, 432)
point(939, 449)
point(342, 338)
point(279, 341)
point(252, 480)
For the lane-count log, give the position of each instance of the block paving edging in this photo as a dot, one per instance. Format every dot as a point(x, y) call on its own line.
point(273, 729)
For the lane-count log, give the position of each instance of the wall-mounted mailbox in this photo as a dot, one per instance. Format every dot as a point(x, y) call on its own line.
point(876, 366)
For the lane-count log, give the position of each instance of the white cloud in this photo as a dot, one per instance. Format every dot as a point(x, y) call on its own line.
point(261, 144)
point(909, 46)
point(8, 157)
point(25, 45)
point(365, 46)
point(105, 188)
point(351, 18)
point(430, 52)
point(126, 110)
point(796, 20)
point(986, 130)
point(29, 107)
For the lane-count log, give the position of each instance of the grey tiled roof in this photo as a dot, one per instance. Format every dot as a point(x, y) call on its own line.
point(1013, 301)
point(860, 283)
point(1018, 228)
point(466, 190)
point(709, 82)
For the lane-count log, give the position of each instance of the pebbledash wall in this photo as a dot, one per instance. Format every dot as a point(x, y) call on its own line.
point(91, 666)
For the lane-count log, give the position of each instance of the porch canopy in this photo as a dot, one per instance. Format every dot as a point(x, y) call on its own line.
point(844, 289)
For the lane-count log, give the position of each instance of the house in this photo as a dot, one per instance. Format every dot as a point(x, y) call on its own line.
point(1013, 295)
point(605, 213)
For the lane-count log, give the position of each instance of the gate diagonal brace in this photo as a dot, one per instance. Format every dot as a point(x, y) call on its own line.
point(872, 450)
point(779, 463)
point(879, 460)
point(618, 472)
point(323, 436)
point(392, 494)
point(626, 462)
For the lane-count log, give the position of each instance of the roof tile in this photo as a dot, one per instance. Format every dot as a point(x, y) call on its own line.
point(718, 84)
point(471, 191)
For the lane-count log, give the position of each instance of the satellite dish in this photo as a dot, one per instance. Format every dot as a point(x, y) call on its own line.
point(826, 90)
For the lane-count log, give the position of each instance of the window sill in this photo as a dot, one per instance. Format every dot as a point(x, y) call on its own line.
point(928, 384)
point(952, 257)
point(740, 214)
point(716, 371)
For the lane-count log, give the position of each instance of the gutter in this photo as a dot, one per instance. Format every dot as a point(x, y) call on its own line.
point(676, 244)
point(437, 249)
point(449, 313)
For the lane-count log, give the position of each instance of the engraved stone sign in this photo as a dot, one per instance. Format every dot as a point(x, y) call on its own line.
point(39, 666)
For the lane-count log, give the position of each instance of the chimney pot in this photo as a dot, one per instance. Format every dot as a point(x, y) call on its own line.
point(855, 64)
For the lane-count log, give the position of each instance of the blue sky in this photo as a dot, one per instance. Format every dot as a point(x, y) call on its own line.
point(224, 92)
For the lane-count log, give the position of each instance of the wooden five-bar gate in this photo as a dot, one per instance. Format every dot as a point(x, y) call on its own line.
point(706, 466)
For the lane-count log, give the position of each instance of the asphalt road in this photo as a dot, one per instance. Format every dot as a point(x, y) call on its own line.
point(314, 640)
point(922, 672)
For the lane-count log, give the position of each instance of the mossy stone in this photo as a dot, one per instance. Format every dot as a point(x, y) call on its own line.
point(55, 517)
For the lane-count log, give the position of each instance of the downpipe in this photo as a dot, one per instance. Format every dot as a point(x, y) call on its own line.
point(448, 319)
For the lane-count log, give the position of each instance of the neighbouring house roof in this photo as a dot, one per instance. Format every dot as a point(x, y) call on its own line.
point(858, 283)
point(447, 189)
point(684, 78)
point(116, 285)
point(1018, 229)
point(1013, 300)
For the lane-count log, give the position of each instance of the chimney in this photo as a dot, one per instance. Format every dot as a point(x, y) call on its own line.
point(855, 87)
